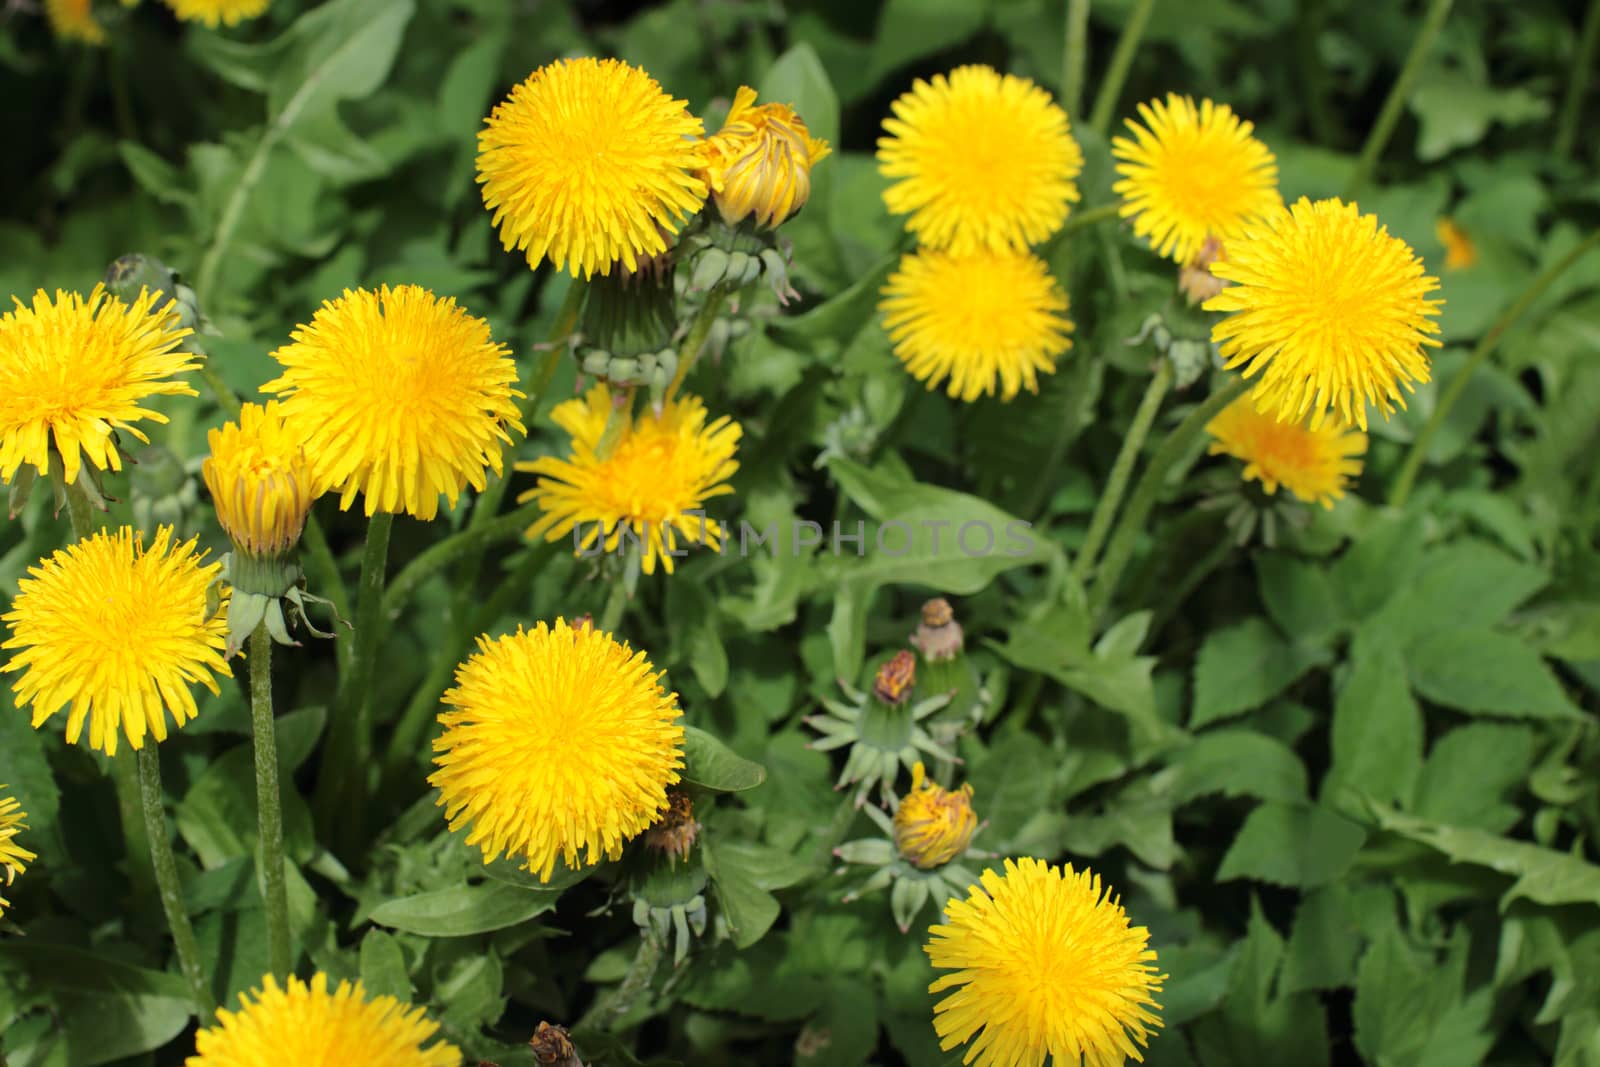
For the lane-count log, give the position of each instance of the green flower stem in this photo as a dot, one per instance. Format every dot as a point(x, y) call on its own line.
point(1081, 219)
point(342, 777)
point(1578, 82)
point(424, 704)
point(1074, 56)
point(166, 871)
point(124, 776)
point(269, 804)
point(226, 397)
point(473, 539)
point(699, 330)
point(616, 604)
point(1399, 93)
point(606, 1014)
point(1122, 469)
point(1121, 59)
point(1400, 491)
point(1120, 548)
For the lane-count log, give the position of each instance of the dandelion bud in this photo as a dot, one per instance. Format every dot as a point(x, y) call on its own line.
point(896, 678)
point(260, 482)
point(938, 636)
point(759, 163)
point(933, 825)
point(1195, 278)
point(1460, 252)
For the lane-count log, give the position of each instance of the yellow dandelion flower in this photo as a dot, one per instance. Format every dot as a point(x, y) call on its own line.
point(218, 12)
point(1315, 465)
point(1329, 309)
point(399, 396)
point(73, 20)
point(1045, 964)
point(308, 1026)
point(981, 320)
point(74, 370)
point(649, 487)
point(260, 481)
point(561, 744)
point(760, 162)
point(1192, 173)
point(979, 160)
point(1460, 251)
point(119, 632)
point(14, 859)
point(933, 825)
point(587, 162)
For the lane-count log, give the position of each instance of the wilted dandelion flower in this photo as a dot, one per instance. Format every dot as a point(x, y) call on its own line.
point(659, 472)
point(308, 1026)
point(1315, 465)
point(587, 163)
point(399, 396)
point(75, 369)
point(1192, 173)
point(561, 745)
point(1045, 965)
point(73, 20)
point(979, 160)
point(986, 321)
point(1330, 310)
point(1460, 251)
point(14, 859)
point(117, 633)
point(260, 481)
point(760, 162)
point(933, 825)
point(218, 12)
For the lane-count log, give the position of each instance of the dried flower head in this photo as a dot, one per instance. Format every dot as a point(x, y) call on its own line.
point(896, 678)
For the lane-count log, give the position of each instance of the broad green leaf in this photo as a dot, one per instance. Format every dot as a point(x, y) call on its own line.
point(1238, 763)
point(1377, 731)
point(463, 910)
point(1541, 875)
point(1292, 845)
point(748, 909)
point(1298, 595)
point(1377, 564)
point(106, 1010)
point(1259, 1023)
point(710, 763)
point(696, 636)
point(1486, 672)
point(1466, 584)
point(1471, 772)
point(1243, 666)
point(383, 967)
point(1455, 110)
point(911, 29)
point(1324, 942)
point(25, 774)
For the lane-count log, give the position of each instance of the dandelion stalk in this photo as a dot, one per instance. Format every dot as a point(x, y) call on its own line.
point(269, 804)
point(342, 775)
point(473, 540)
point(1120, 548)
point(1407, 476)
point(646, 961)
point(1121, 59)
point(1122, 470)
point(699, 330)
point(1583, 62)
point(166, 871)
point(616, 604)
point(1074, 55)
point(1399, 93)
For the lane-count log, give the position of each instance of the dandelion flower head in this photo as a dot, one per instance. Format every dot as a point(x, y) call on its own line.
point(1044, 963)
point(75, 369)
point(307, 1025)
point(117, 633)
point(560, 743)
point(1315, 465)
point(587, 162)
point(979, 161)
point(1192, 172)
point(658, 472)
point(399, 396)
point(1328, 309)
point(983, 322)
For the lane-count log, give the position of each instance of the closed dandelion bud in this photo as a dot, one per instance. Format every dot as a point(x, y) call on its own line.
point(938, 637)
point(896, 678)
point(260, 482)
point(933, 825)
point(129, 274)
point(759, 164)
point(710, 267)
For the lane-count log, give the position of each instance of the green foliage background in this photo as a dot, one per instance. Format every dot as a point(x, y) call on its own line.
point(1348, 780)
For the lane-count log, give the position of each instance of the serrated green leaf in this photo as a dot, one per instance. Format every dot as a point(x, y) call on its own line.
point(1377, 731)
point(383, 967)
point(1488, 673)
point(1292, 845)
point(710, 763)
point(463, 910)
point(1243, 666)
